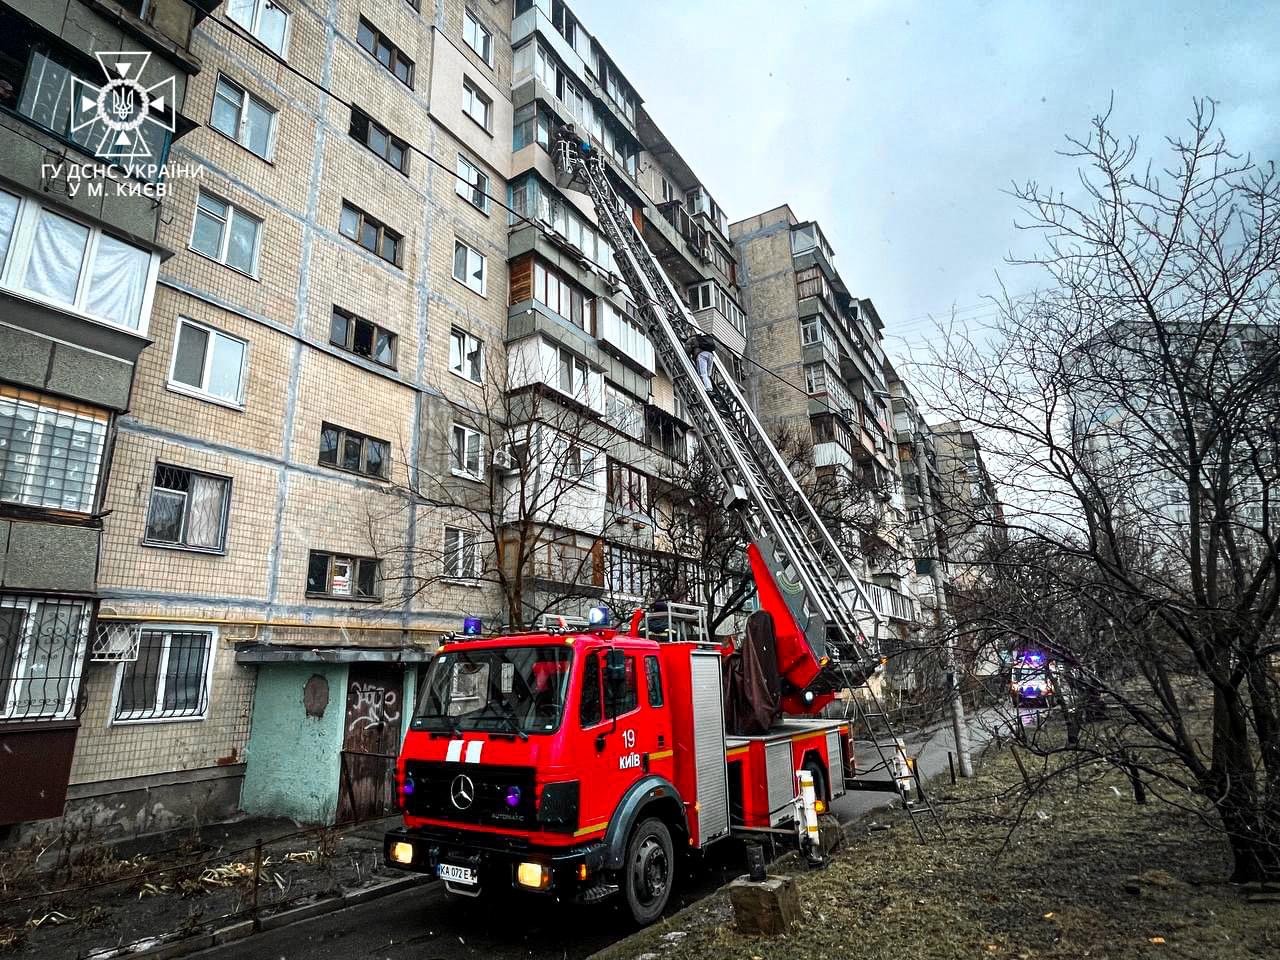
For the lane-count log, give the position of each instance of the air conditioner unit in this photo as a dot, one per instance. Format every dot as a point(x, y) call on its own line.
point(504, 461)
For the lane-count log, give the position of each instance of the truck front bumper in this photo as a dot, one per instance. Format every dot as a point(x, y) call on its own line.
point(475, 864)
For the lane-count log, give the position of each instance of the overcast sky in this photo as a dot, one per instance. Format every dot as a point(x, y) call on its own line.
point(897, 125)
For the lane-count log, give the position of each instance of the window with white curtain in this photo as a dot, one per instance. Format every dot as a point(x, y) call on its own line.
point(59, 260)
point(466, 355)
point(188, 509)
point(50, 452)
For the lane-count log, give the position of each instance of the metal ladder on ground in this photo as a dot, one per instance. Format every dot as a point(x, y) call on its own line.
point(771, 504)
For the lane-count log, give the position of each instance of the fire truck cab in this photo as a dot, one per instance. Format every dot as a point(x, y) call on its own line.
point(584, 764)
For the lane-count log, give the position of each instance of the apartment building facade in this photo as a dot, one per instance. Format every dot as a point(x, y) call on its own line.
point(971, 512)
point(368, 325)
point(822, 386)
point(79, 258)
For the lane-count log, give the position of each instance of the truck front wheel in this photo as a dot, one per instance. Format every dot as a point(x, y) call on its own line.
point(649, 872)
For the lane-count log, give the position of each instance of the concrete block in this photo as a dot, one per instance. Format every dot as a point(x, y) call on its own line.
point(768, 908)
point(50, 556)
point(830, 835)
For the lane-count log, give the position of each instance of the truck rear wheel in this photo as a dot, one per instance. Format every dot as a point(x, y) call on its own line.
point(649, 871)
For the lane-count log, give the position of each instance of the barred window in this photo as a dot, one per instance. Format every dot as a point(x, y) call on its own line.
point(170, 678)
point(188, 509)
point(461, 554)
point(50, 452)
point(42, 644)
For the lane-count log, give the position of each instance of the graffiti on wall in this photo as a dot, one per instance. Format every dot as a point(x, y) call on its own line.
point(371, 705)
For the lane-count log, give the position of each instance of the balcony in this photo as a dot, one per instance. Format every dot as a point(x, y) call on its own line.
point(891, 604)
point(832, 454)
point(694, 234)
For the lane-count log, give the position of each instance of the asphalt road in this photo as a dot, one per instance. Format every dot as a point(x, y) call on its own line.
point(426, 923)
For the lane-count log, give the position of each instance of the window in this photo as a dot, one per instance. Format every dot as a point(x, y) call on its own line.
point(466, 355)
point(36, 79)
point(354, 452)
point(364, 339)
point(562, 296)
point(574, 374)
point(811, 331)
point(815, 378)
point(170, 678)
point(626, 333)
point(243, 117)
point(461, 554)
point(267, 20)
point(385, 52)
point(653, 681)
point(623, 412)
point(575, 462)
point(589, 712)
point(628, 700)
point(62, 261)
point(469, 267)
point(226, 233)
point(373, 235)
point(466, 451)
point(476, 105)
point(380, 140)
point(50, 452)
point(208, 362)
point(188, 509)
point(42, 641)
point(627, 488)
point(477, 37)
point(473, 185)
point(334, 575)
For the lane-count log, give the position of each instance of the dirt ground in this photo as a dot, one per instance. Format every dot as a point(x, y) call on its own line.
point(1090, 874)
point(129, 895)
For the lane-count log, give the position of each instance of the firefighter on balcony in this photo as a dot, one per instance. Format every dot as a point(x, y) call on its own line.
point(702, 347)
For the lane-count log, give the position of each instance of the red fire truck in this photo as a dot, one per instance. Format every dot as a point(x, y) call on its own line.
point(585, 763)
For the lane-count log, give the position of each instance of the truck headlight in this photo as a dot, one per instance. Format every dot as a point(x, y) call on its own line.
point(535, 876)
point(402, 852)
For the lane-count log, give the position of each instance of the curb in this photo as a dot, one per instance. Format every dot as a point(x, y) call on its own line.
point(246, 928)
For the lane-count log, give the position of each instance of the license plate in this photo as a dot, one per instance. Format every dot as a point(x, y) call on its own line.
point(455, 874)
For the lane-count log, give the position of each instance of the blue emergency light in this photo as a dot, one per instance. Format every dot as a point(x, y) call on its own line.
point(598, 616)
point(471, 626)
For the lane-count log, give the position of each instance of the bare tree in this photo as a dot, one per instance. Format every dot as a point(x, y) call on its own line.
point(517, 478)
point(1133, 405)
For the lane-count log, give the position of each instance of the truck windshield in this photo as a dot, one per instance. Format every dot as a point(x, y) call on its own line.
point(514, 688)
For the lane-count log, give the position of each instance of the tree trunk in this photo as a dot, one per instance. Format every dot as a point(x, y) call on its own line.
point(1251, 824)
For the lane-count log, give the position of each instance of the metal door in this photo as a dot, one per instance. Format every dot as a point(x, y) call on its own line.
point(371, 740)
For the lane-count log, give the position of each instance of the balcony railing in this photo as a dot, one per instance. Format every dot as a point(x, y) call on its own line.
point(890, 603)
point(694, 234)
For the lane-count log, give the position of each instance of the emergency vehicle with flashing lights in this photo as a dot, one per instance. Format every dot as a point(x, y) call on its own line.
point(588, 763)
point(1031, 677)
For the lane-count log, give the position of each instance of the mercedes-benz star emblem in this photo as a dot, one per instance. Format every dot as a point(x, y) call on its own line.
point(462, 791)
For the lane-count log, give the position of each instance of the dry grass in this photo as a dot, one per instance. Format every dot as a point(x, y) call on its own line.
point(1089, 875)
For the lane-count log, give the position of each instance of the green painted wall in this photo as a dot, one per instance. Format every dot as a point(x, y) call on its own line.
point(293, 759)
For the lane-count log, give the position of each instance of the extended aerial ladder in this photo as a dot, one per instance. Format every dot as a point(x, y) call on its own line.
point(787, 533)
